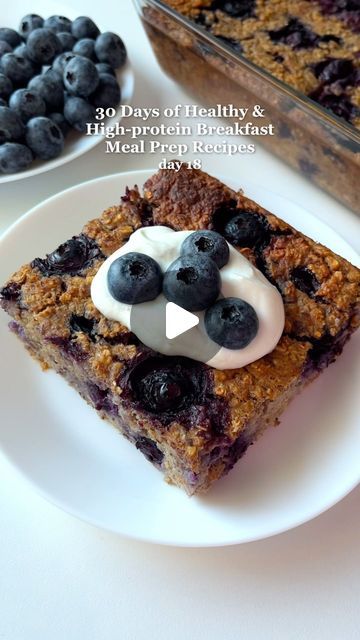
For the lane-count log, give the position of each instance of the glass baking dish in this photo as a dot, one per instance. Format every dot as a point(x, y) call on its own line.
point(323, 147)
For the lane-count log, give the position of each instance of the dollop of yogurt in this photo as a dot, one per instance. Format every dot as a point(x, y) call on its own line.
point(240, 279)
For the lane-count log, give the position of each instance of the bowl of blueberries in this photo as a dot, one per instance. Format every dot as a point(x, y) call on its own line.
point(54, 74)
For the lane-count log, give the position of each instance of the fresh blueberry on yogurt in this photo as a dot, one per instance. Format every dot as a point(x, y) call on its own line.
point(231, 323)
point(192, 282)
point(134, 278)
point(208, 244)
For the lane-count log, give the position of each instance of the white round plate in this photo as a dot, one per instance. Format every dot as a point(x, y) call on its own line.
point(83, 465)
point(76, 143)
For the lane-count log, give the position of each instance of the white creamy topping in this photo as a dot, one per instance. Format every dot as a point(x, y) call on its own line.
point(240, 279)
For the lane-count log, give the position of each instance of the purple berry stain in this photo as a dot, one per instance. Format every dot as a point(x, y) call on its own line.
point(70, 258)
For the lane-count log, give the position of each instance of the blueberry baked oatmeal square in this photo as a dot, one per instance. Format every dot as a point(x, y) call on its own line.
point(274, 307)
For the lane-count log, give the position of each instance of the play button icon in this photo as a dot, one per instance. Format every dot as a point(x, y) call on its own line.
point(178, 320)
point(171, 330)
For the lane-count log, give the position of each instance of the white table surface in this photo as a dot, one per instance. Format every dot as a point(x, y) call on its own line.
point(61, 578)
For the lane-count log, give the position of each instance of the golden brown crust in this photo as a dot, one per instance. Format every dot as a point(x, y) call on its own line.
point(248, 389)
point(332, 306)
point(117, 223)
point(180, 200)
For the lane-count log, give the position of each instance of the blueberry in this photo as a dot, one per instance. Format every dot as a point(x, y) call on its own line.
point(17, 68)
point(166, 389)
point(43, 46)
point(134, 277)
point(14, 157)
point(29, 23)
point(11, 292)
point(67, 40)
point(21, 50)
point(110, 48)
point(84, 27)
point(44, 138)
point(59, 63)
point(206, 243)
point(6, 86)
point(5, 47)
point(235, 8)
point(246, 229)
point(232, 323)
point(149, 449)
point(333, 69)
point(107, 94)
point(3, 103)
point(330, 7)
point(202, 19)
point(80, 76)
point(338, 104)
point(11, 127)
point(49, 85)
point(84, 325)
point(27, 104)
point(10, 36)
point(102, 399)
point(55, 76)
point(305, 280)
point(352, 18)
point(164, 385)
point(295, 34)
point(78, 113)
point(103, 67)
point(58, 24)
point(70, 258)
point(59, 119)
point(71, 349)
point(192, 282)
point(86, 48)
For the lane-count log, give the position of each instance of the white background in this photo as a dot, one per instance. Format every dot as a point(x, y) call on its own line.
point(60, 578)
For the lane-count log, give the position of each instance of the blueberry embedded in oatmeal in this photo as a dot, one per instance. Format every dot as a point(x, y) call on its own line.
point(246, 230)
point(295, 34)
point(71, 257)
point(235, 8)
point(166, 385)
point(333, 69)
point(305, 280)
point(150, 450)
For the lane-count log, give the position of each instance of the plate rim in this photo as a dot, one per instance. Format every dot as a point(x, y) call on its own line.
point(276, 531)
point(141, 175)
